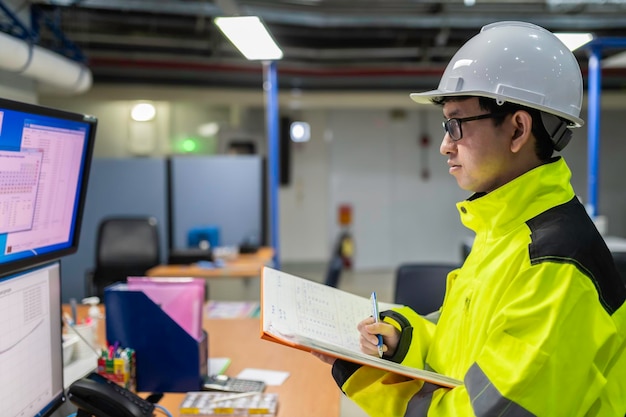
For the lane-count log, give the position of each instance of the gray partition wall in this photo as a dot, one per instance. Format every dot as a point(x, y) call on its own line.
point(117, 187)
point(223, 191)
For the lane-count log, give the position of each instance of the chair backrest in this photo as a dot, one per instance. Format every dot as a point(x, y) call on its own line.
point(125, 246)
point(422, 286)
point(126, 241)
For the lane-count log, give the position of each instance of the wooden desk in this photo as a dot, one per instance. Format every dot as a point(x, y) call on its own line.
point(310, 390)
point(242, 266)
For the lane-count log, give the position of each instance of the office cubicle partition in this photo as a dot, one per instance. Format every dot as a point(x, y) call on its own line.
point(223, 191)
point(117, 187)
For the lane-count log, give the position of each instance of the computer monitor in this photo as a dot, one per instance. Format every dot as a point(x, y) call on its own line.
point(45, 156)
point(31, 355)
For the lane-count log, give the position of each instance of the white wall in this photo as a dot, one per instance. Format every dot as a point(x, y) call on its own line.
point(377, 165)
point(365, 150)
point(15, 87)
point(304, 204)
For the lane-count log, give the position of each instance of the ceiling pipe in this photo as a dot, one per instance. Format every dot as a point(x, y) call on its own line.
point(325, 17)
point(54, 72)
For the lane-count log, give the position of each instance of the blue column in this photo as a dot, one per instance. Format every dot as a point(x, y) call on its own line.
point(270, 86)
point(594, 90)
point(594, 86)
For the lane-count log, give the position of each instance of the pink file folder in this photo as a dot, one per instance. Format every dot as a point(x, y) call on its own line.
point(181, 298)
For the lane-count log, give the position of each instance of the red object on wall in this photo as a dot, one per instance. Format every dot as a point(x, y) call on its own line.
point(345, 215)
point(346, 243)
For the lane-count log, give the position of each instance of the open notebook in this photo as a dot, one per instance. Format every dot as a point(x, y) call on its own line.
point(310, 316)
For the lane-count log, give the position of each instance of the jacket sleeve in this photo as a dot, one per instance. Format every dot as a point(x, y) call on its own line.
point(363, 384)
point(548, 348)
point(538, 358)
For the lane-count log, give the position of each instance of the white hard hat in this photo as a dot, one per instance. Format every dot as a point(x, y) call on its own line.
point(516, 62)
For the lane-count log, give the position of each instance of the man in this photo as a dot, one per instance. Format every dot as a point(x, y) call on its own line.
point(534, 322)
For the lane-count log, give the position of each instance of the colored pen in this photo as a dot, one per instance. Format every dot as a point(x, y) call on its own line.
point(375, 314)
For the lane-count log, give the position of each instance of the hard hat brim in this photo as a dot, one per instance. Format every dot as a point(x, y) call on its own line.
point(427, 97)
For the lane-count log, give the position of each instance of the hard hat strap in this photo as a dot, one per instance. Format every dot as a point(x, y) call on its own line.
point(557, 129)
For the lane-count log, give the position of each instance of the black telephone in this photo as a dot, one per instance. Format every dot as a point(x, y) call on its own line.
point(96, 396)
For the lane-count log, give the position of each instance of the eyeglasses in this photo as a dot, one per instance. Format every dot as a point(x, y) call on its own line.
point(453, 126)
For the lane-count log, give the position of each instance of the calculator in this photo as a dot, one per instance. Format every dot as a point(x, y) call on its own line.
point(229, 384)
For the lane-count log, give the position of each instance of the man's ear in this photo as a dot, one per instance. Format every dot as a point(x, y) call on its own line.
point(522, 130)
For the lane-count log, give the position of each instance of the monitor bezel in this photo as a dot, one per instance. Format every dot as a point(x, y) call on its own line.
point(60, 398)
point(20, 264)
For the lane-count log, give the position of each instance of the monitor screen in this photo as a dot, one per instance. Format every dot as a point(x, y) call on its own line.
point(31, 355)
point(45, 156)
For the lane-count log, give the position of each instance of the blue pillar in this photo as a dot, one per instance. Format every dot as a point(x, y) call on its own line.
point(594, 85)
point(270, 86)
point(594, 90)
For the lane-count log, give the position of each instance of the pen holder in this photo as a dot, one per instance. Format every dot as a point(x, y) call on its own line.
point(86, 332)
point(168, 358)
point(119, 367)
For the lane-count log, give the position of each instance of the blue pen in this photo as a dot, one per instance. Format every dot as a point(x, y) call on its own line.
point(375, 314)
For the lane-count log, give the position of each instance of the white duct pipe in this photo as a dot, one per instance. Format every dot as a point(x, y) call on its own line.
point(53, 71)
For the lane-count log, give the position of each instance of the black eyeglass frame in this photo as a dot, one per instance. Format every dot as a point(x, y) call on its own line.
point(446, 123)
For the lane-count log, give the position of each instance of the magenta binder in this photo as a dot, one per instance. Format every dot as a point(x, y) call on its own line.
point(181, 298)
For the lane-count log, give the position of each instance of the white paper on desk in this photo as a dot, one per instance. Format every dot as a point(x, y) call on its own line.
point(267, 376)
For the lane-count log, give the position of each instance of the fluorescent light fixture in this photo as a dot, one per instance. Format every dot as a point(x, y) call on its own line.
point(143, 112)
point(615, 61)
point(250, 36)
point(300, 132)
point(208, 129)
point(574, 41)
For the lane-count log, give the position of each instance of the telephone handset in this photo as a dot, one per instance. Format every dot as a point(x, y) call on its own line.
point(96, 396)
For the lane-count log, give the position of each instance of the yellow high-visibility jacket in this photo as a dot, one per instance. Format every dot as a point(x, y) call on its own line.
point(533, 323)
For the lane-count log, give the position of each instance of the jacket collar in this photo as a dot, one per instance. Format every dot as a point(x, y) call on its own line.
point(519, 200)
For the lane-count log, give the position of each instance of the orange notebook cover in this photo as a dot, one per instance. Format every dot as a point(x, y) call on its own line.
point(310, 316)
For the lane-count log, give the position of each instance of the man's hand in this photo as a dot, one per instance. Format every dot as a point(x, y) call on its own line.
point(369, 330)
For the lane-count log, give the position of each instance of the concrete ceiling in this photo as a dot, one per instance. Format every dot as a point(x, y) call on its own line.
point(327, 44)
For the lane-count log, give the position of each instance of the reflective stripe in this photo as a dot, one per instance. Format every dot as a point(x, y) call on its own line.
point(420, 403)
point(486, 399)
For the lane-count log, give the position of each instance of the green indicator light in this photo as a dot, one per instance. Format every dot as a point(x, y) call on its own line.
point(189, 145)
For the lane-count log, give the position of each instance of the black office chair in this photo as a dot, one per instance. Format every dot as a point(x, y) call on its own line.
point(422, 286)
point(125, 246)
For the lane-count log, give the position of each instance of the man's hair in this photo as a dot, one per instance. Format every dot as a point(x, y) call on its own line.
point(544, 147)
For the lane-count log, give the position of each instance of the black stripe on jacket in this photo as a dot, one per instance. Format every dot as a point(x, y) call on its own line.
point(566, 234)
